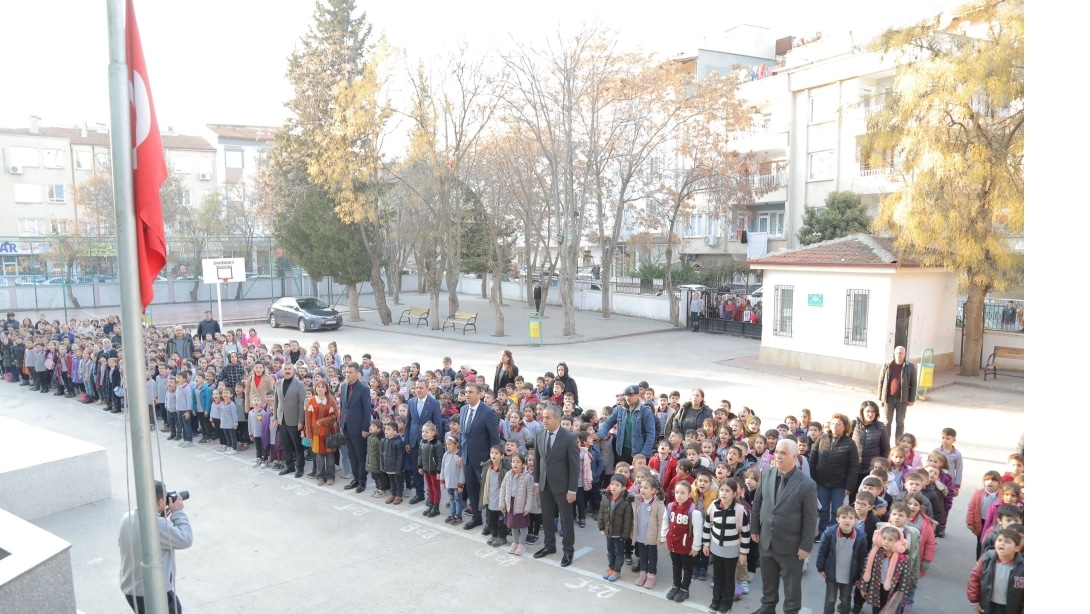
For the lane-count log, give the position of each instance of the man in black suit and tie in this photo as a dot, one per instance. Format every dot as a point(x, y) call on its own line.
point(423, 408)
point(480, 431)
point(784, 523)
point(356, 420)
point(556, 476)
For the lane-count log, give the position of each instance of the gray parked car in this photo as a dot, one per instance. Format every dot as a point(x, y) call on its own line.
point(305, 313)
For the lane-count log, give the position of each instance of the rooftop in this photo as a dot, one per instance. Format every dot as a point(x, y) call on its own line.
point(264, 134)
point(853, 250)
point(102, 139)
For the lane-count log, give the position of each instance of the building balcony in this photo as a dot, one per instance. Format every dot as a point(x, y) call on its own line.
point(876, 179)
point(770, 141)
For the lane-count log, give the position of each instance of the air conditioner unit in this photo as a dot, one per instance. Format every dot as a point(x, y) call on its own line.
point(15, 169)
point(710, 240)
point(206, 176)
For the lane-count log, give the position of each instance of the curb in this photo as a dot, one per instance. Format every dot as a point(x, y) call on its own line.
point(392, 328)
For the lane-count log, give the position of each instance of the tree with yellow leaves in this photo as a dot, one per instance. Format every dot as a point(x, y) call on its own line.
point(953, 128)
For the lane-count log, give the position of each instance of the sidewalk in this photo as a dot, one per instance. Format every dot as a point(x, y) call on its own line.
point(942, 379)
point(589, 325)
point(234, 312)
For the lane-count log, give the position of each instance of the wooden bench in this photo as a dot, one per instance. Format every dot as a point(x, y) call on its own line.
point(466, 318)
point(1005, 353)
point(420, 314)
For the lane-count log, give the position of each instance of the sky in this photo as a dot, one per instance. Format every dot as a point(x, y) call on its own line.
point(223, 61)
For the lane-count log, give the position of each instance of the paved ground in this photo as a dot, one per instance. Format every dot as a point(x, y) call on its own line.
point(263, 542)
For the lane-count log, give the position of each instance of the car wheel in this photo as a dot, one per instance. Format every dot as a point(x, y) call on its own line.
point(302, 325)
point(272, 321)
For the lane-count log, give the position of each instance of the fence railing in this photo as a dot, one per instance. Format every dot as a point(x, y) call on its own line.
point(999, 314)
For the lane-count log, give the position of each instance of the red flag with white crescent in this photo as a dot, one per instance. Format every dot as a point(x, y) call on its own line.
point(149, 165)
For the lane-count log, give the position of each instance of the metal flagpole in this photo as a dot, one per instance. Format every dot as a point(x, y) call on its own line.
point(121, 148)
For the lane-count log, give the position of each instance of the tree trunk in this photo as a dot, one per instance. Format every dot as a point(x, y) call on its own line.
point(974, 328)
point(374, 252)
point(484, 285)
point(668, 288)
point(353, 302)
point(197, 286)
point(71, 297)
point(607, 290)
point(495, 303)
point(567, 286)
point(452, 286)
point(395, 284)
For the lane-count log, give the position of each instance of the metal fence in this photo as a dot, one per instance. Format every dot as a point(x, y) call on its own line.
point(1001, 314)
point(82, 271)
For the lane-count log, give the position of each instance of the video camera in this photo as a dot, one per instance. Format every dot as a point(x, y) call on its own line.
point(174, 494)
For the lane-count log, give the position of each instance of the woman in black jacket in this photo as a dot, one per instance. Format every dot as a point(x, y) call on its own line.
point(506, 372)
point(870, 438)
point(692, 415)
point(834, 465)
point(569, 383)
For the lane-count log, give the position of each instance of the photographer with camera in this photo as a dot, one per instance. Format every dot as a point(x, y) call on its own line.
point(174, 534)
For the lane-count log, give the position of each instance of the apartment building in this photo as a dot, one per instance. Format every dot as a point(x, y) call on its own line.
point(808, 106)
point(42, 165)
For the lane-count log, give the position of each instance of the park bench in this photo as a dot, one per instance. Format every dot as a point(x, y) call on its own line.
point(420, 314)
point(1006, 353)
point(465, 318)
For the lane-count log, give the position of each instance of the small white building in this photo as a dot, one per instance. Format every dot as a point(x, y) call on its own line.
point(841, 306)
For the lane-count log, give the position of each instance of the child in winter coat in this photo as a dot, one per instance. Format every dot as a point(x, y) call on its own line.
point(492, 474)
point(373, 464)
point(392, 461)
point(682, 528)
point(842, 535)
point(1004, 566)
point(877, 587)
point(429, 462)
point(648, 512)
point(516, 502)
point(615, 522)
point(726, 540)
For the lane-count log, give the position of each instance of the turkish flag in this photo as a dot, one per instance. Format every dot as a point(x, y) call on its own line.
point(149, 165)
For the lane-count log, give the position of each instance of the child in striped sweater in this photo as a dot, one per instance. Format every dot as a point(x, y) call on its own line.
point(726, 540)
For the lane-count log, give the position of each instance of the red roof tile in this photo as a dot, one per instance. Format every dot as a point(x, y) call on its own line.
point(853, 250)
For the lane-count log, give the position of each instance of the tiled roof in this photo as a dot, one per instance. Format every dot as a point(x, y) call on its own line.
point(102, 139)
point(246, 133)
point(853, 250)
point(182, 141)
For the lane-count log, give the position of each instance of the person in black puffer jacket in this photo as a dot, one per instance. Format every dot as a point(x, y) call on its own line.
point(834, 465)
point(870, 438)
point(564, 375)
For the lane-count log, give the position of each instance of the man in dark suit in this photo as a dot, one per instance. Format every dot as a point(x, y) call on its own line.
point(556, 476)
point(291, 394)
point(480, 431)
point(784, 523)
point(423, 408)
point(356, 420)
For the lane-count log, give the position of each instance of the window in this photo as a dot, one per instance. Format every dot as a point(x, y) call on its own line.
point(31, 228)
point(56, 193)
point(53, 158)
point(28, 193)
point(102, 159)
point(84, 160)
point(23, 156)
point(770, 222)
point(58, 227)
point(186, 198)
point(234, 158)
point(821, 165)
point(785, 298)
point(694, 226)
point(822, 108)
point(856, 307)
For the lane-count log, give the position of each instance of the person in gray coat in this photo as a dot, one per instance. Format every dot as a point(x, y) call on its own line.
point(897, 391)
point(784, 523)
point(291, 395)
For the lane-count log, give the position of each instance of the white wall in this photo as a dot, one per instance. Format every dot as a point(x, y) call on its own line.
point(933, 296)
point(820, 330)
point(638, 305)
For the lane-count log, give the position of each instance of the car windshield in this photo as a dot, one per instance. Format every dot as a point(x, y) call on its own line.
point(312, 303)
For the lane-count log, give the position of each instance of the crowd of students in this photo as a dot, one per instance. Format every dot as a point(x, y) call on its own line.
point(691, 494)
